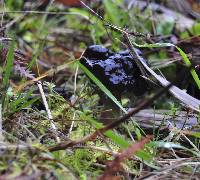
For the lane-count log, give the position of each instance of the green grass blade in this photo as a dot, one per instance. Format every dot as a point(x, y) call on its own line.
point(171, 145)
point(106, 91)
point(112, 11)
point(101, 86)
point(188, 63)
point(195, 134)
point(115, 138)
point(26, 104)
point(7, 70)
point(22, 101)
point(120, 141)
point(9, 66)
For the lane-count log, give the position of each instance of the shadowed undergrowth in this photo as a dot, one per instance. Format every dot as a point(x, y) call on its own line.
point(51, 105)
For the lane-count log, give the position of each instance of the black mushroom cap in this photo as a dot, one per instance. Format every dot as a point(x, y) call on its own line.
point(97, 52)
point(117, 71)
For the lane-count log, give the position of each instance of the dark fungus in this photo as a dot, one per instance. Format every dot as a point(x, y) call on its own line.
point(117, 71)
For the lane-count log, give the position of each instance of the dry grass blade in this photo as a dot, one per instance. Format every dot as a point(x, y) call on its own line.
point(150, 117)
point(181, 95)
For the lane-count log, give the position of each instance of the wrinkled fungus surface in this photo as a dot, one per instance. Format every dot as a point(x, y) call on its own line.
point(117, 71)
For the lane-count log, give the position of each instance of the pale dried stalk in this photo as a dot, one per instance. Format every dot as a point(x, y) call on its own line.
point(50, 117)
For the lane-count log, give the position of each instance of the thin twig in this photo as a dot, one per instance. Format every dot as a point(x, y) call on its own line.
point(135, 55)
